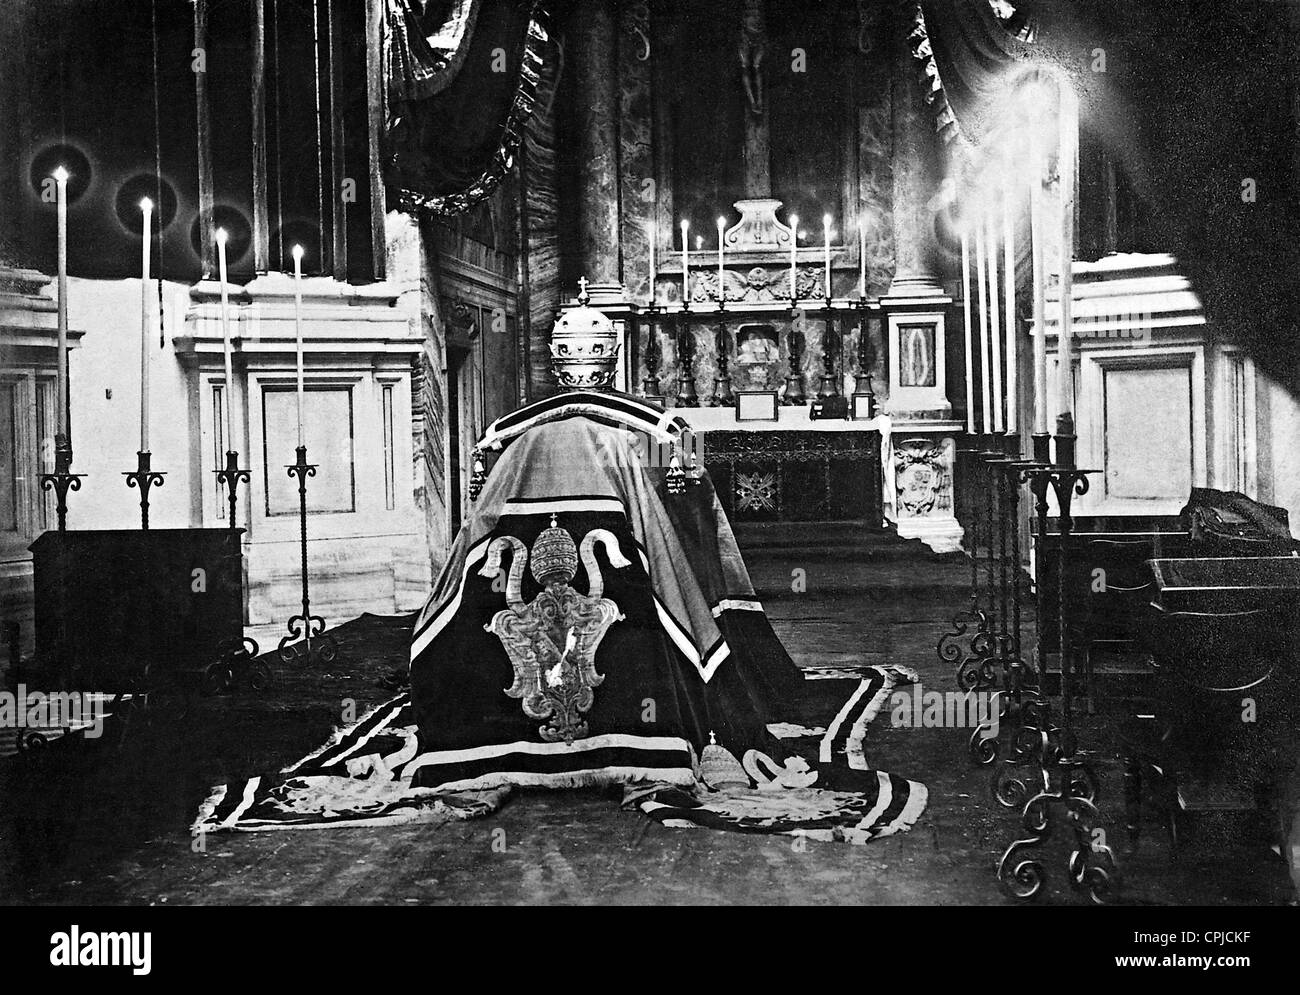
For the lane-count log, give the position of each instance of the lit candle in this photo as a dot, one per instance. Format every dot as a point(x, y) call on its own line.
point(146, 209)
point(826, 228)
point(297, 326)
point(61, 363)
point(1009, 292)
point(980, 281)
point(722, 283)
point(650, 238)
point(686, 265)
point(995, 321)
point(1068, 151)
point(965, 307)
point(794, 257)
point(1040, 284)
point(862, 260)
point(225, 339)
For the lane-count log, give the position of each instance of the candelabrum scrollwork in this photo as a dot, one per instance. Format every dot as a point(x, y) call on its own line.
point(1044, 773)
point(232, 477)
point(306, 639)
point(62, 480)
point(144, 477)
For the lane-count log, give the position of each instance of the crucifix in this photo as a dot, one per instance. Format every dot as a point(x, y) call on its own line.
point(758, 146)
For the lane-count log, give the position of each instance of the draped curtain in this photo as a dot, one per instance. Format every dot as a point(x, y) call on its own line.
point(967, 53)
point(461, 90)
point(426, 45)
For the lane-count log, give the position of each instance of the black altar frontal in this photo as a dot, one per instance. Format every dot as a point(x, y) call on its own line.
point(796, 476)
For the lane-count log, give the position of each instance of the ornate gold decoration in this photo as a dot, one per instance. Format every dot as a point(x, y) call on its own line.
point(552, 640)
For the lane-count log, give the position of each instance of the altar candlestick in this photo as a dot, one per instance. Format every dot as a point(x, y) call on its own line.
point(794, 257)
point(826, 228)
point(297, 327)
point(965, 306)
point(61, 363)
point(980, 280)
point(722, 285)
point(1040, 285)
point(995, 320)
point(686, 265)
point(146, 208)
point(1009, 292)
point(225, 339)
point(862, 260)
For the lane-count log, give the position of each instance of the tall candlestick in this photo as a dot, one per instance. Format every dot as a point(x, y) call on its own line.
point(980, 275)
point(794, 257)
point(1068, 150)
point(686, 265)
point(722, 283)
point(826, 228)
point(297, 327)
point(965, 307)
point(651, 235)
point(862, 260)
point(995, 321)
point(61, 363)
point(1040, 284)
point(225, 339)
point(146, 312)
point(1009, 292)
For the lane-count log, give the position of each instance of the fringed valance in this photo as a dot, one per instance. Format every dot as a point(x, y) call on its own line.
point(449, 151)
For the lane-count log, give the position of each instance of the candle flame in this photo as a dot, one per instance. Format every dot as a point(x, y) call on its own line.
point(826, 221)
point(297, 253)
point(221, 236)
point(146, 204)
point(60, 175)
point(722, 223)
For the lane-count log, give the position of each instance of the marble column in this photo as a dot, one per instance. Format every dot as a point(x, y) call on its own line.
point(592, 40)
point(916, 171)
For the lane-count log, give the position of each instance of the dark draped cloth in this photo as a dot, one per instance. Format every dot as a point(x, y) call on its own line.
point(594, 626)
point(689, 658)
point(457, 113)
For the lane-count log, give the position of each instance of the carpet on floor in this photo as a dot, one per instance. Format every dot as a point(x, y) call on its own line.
point(363, 777)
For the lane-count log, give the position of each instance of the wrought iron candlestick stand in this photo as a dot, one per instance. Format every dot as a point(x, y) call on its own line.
point(1067, 788)
point(62, 480)
point(959, 644)
point(232, 477)
point(144, 478)
point(306, 638)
